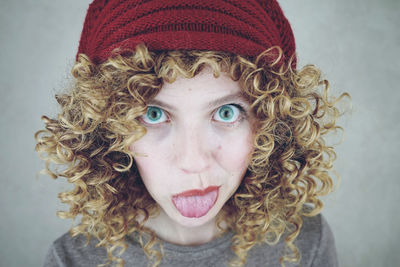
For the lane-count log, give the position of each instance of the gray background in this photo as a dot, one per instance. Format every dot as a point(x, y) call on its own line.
point(356, 45)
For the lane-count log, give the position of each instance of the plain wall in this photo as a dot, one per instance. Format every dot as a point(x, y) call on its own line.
point(355, 43)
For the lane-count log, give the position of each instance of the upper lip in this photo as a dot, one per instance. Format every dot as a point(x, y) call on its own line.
point(196, 192)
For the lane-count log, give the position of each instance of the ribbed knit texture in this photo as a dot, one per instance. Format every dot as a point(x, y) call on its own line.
point(242, 27)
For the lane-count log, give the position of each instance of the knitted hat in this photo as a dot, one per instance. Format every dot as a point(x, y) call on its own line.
point(245, 28)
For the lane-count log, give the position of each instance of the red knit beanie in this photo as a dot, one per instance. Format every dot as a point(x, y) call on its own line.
point(243, 27)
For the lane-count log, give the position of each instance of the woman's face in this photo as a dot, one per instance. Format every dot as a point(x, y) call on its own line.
point(197, 146)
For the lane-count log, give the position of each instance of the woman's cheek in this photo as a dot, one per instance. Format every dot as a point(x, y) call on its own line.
point(233, 153)
point(148, 157)
point(152, 169)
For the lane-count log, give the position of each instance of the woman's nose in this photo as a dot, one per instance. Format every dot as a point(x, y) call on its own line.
point(192, 150)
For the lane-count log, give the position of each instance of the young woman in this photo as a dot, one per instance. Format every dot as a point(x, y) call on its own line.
point(192, 139)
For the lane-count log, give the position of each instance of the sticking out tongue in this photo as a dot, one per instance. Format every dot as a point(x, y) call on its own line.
point(195, 206)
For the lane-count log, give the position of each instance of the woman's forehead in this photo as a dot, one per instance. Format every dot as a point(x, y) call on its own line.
point(203, 90)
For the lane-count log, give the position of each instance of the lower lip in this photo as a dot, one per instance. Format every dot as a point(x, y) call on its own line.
point(196, 203)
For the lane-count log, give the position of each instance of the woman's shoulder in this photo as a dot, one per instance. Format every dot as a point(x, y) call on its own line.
point(74, 251)
point(69, 251)
point(315, 243)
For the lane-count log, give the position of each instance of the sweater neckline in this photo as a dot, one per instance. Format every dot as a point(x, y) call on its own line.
point(211, 248)
point(220, 242)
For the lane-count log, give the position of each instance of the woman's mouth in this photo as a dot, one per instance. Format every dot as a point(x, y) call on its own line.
point(196, 203)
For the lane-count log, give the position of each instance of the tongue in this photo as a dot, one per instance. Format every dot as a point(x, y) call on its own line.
point(195, 206)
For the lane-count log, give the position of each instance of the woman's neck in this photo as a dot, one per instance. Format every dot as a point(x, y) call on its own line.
point(169, 231)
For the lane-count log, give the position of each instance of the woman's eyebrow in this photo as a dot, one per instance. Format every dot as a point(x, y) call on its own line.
point(161, 104)
point(227, 99)
point(217, 102)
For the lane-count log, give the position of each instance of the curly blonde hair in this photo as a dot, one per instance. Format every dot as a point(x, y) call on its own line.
point(290, 165)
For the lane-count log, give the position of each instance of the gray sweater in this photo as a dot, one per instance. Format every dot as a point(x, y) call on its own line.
point(315, 242)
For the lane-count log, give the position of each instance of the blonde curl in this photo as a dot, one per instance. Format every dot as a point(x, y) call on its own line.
point(289, 169)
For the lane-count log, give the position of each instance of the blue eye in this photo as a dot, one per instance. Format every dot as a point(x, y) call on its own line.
point(228, 113)
point(154, 115)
